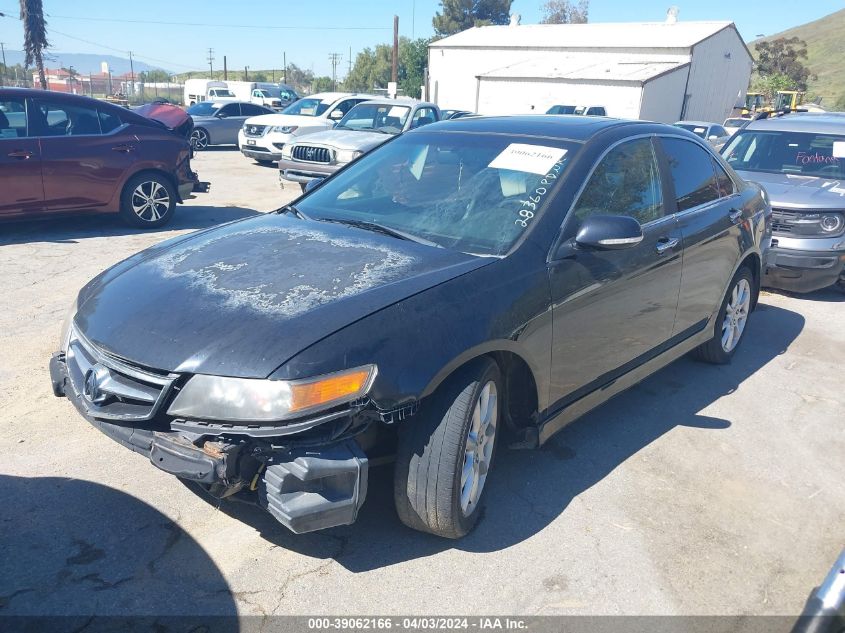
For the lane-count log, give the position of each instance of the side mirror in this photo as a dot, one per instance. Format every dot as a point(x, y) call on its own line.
point(335, 115)
point(312, 183)
point(609, 232)
point(222, 115)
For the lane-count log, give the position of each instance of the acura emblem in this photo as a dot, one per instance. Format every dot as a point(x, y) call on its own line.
point(94, 380)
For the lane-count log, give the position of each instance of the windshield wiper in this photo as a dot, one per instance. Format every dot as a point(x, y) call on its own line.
point(290, 209)
point(380, 228)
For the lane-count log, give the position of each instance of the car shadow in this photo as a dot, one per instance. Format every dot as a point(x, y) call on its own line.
point(831, 294)
point(72, 228)
point(78, 549)
point(530, 489)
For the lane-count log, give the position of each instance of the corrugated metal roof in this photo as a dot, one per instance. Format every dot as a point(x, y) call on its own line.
point(593, 35)
point(592, 66)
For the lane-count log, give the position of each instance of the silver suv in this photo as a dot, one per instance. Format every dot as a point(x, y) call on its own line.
point(800, 160)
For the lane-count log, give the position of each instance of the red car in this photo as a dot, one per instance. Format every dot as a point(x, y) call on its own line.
point(63, 153)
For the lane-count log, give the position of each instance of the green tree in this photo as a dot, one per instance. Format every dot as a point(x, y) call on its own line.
point(258, 77)
point(321, 84)
point(783, 57)
point(373, 67)
point(565, 12)
point(154, 76)
point(772, 84)
point(34, 36)
point(458, 15)
point(299, 78)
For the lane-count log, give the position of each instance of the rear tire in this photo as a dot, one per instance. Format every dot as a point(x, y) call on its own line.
point(731, 321)
point(148, 200)
point(200, 139)
point(445, 452)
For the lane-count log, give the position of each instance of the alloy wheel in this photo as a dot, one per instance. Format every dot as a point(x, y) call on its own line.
point(150, 201)
point(736, 315)
point(478, 449)
point(199, 139)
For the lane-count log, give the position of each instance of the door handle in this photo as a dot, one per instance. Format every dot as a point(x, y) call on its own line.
point(666, 244)
point(735, 216)
point(21, 154)
point(123, 148)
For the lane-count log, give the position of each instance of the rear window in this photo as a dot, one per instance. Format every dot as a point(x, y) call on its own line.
point(699, 130)
point(800, 153)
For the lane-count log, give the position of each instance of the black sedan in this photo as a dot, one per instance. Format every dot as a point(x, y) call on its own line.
point(471, 279)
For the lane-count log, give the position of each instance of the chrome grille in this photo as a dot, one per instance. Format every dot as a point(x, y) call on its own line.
point(254, 130)
point(783, 221)
point(311, 154)
point(109, 388)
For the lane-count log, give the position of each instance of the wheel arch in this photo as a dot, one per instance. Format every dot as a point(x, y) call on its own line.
point(522, 395)
point(754, 262)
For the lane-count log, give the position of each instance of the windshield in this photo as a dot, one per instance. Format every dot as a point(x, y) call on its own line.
point(372, 116)
point(800, 153)
point(204, 108)
point(698, 130)
point(307, 107)
point(265, 93)
point(736, 122)
point(471, 193)
point(561, 109)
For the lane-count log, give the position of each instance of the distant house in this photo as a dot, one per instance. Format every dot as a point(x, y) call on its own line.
point(660, 71)
point(60, 80)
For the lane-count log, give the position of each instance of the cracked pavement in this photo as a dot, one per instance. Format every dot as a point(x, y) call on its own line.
point(704, 490)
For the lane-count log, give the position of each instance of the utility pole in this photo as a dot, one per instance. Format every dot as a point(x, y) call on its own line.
point(3, 72)
point(350, 61)
point(210, 62)
point(334, 58)
point(246, 73)
point(394, 77)
point(225, 69)
point(132, 75)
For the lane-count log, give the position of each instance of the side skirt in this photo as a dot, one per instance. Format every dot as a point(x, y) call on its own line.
point(571, 412)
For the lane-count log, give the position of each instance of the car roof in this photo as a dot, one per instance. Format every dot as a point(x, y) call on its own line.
point(331, 97)
point(698, 123)
point(572, 127)
point(815, 123)
point(400, 102)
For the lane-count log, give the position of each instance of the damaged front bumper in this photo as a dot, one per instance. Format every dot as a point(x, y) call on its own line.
point(305, 488)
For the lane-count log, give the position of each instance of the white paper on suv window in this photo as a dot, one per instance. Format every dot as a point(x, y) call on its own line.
point(839, 149)
point(534, 159)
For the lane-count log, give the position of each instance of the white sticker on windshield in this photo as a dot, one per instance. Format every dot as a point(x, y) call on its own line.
point(839, 149)
point(534, 159)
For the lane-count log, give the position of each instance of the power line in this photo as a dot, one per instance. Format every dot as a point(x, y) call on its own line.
point(231, 26)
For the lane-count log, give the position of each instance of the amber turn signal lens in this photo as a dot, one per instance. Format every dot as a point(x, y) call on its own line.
point(340, 387)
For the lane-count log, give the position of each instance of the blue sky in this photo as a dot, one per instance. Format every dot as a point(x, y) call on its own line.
point(312, 30)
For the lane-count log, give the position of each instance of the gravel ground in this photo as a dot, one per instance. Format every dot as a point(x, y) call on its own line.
point(704, 490)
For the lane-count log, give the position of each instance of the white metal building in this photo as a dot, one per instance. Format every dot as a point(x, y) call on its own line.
point(660, 71)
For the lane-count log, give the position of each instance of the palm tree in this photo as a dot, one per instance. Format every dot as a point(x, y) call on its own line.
point(34, 36)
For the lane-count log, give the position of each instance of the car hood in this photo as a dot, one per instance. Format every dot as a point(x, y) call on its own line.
point(794, 192)
point(242, 299)
point(287, 119)
point(347, 139)
point(172, 117)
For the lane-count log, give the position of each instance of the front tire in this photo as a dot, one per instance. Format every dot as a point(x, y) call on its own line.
point(731, 320)
point(445, 453)
point(148, 200)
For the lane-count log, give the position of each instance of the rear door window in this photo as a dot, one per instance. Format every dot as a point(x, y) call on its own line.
point(692, 172)
point(109, 122)
point(250, 109)
point(13, 119)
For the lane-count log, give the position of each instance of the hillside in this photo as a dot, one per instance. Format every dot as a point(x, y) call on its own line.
point(83, 62)
point(825, 54)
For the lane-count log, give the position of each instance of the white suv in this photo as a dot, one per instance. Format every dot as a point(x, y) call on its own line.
point(263, 137)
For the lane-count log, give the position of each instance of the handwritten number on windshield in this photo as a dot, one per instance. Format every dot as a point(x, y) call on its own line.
point(529, 205)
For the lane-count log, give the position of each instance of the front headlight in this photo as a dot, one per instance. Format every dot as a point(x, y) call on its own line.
point(284, 129)
point(68, 322)
point(260, 400)
point(347, 155)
